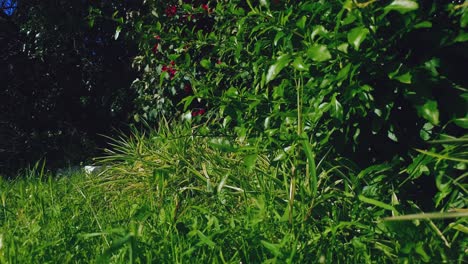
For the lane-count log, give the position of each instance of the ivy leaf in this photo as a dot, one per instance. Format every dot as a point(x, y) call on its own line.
point(402, 6)
point(319, 53)
point(299, 65)
point(429, 111)
point(276, 68)
point(356, 36)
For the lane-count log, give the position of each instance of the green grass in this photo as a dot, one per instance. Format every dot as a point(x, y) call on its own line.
point(171, 197)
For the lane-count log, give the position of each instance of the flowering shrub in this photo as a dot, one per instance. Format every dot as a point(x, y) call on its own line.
point(298, 80)
point(366, 82)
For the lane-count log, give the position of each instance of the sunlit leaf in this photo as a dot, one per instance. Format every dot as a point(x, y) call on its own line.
point(402, 6)
point(299, 65)
point(319, 53)
point(117, 32)
point(429, 111)
point(462, 122)
point(205, 63)
point(276, 68)
point(356, 36)
point(301, 22)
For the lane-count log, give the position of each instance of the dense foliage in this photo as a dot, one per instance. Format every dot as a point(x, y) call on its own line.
point(302, 132)
point(63, 80)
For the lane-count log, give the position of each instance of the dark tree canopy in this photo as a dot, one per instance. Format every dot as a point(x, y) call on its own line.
point(64, 79)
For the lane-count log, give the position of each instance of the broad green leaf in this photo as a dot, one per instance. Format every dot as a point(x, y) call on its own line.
point(429, 111)
point(279, 35)
point(299, 65)
point(318, 30)
point(403, 78)
point(336, 109)
point(343, 47)
point(402, 6)
point(205, 63)
point(250, 160)
point(462, 37)
point(462, 122)
point(319, 53)
point(301, 22)
point(276, 68)
point(356, 36)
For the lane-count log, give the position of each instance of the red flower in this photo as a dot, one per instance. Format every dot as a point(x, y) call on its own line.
point(188, 89)
point(198, 112)
point(172, 63)
point(206, 8)
point(171, 11)
point(219, 62)
point(157, 37)
point(169, 70)
point(155, 48)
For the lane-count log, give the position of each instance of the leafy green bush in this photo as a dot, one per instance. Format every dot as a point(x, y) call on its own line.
point(371, 78)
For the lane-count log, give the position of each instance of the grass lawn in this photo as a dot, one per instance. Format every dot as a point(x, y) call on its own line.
point(172, 198)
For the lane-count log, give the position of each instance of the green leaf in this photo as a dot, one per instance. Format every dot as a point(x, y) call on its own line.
point(278, 36)
point(301, 22)
point(319, 53)
point(462, 37)
point(336, 109)
point(205, 63)
point(299, 65)
point(424, 24)
point(462, 122)
point(403, 78)
point(429, 111)
point(250, 160)
point(276, 68)
point(376, 203)
point(273, 248)
point(318, 30)
point(356, 36)
point(464, 20)
point(222, 144)
point(402, 6)
point(117, 32)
